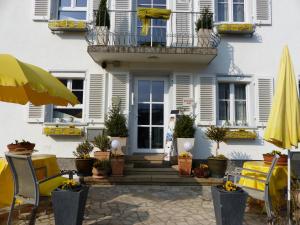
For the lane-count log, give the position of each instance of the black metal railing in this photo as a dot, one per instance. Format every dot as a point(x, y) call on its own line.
point(178, 31)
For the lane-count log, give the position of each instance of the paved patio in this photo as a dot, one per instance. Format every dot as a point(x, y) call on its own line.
point(155, 205)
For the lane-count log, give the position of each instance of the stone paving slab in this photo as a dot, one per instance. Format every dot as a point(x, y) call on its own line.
point(150, 205)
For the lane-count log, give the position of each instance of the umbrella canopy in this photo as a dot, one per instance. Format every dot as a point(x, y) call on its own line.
point(283, 128)
point(22, 83)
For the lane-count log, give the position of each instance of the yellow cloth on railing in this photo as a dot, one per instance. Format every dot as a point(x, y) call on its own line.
point(63, 131)
point(278, 181)
point(45, 166)
point(146, 14)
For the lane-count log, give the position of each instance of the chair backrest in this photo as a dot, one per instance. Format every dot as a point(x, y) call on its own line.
point(273, 164)
point(25, 180)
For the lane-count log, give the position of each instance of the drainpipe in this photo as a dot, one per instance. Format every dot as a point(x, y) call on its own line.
point(192, 21)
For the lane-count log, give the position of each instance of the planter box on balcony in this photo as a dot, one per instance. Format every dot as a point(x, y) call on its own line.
point(240, 134)
point(67, 25)
point(245, 28)
point(62, 131)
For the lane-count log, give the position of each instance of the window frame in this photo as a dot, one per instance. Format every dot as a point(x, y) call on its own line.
point(232, 101)
point(73, 8)
point(230, 4)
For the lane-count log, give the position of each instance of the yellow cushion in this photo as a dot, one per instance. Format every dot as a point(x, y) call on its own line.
point(47, 187)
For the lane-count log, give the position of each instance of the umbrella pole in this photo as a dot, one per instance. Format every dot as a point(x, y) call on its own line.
point(289, 188)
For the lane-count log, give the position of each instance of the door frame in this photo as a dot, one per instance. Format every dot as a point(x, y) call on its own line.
point(134, 122)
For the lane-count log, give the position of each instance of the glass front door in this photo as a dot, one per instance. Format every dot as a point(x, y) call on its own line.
point(150, 111)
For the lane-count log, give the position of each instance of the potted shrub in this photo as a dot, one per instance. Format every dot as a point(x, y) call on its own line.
point(229, 204)
point(117, 163)
point(268, 157)
point(21, 146)
point(102, 142)
point(101, 168)
point(116, 125)
point(83, 161)
point(185, 163)
point(69, 203)
point(204, 28)
point(201, 171)
point(184, 132)
point(102, 23)
point(217, 164)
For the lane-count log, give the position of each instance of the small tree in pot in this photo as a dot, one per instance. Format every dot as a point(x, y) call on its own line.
point(102, 23)
point(102, 142)
point(204, 27)
point(217, 164)
point(83, 161)
point(116, 125)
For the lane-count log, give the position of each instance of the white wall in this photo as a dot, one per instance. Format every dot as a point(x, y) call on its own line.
point(33, 42)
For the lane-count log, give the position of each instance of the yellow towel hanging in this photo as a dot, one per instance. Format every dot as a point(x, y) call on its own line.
point(146, 14)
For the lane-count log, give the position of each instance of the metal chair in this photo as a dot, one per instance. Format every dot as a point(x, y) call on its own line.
point(263, 195)
point(26, 184)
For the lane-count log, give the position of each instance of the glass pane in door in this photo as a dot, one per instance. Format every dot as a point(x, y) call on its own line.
point(157, 114)
point(143, 114)
point(157, 137)
point(143, 137)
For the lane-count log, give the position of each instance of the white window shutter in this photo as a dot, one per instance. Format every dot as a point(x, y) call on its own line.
point(263, 10)
point(206, 4)
point(122, 19)
point(183, 89)
point(96, 98)
point(207, 100)
point(41, 10)
point(120, 90)
point(264, 95)
point(35, 114)
point(183, 23)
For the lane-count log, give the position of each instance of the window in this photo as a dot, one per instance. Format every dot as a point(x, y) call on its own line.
point(72, 10)
point(233, 104)
point(71, 113)
point(230, 10)
point(158, 28)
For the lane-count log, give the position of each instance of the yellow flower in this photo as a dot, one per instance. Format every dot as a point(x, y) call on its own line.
point(185, 155)
point(229, 186)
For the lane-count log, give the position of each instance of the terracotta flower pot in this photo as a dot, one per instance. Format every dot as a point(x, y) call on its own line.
point(117, 166)
point(201, 172)
point(99, 173)
point(101, 155)
point(84, 166)
point(281, 161)
point(19, 147)
point(185, 166)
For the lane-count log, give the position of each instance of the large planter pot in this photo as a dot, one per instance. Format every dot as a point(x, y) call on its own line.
point(182, 141)
point(185, 166)
point(102, 35)
point(69, 206)
point(84, 166)
point(268, 158)
point(100, 155)
point(21, 147)
point(123, 144)
point(117, 166)
point(204, 38)
point(217, 167)
point(201, 172)
point(229, 206)
point(100, 173)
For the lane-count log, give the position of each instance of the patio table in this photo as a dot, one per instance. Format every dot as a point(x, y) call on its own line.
point(45, 166)
point(278, 181)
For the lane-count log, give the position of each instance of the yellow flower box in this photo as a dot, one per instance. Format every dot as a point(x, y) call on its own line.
point(240, 134)
point(62, 131)
point(244, 28)
point(67, 25)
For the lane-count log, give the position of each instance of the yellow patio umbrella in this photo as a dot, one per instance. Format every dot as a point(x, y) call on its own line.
point(22, 83)
point(283, 128)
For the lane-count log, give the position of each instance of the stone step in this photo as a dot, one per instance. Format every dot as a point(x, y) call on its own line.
point(173, 180)
point(151, 171)
point(144, 157)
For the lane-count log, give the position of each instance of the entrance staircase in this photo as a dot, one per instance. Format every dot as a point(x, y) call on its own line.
point(151, 169)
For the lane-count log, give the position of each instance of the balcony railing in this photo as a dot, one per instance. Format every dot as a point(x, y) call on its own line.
point(178, 32)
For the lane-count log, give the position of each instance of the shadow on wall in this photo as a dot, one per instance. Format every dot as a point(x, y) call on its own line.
point(203, 146)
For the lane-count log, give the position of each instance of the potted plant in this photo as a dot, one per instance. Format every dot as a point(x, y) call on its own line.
point(102, 23)
point(185, 164)
point(201, 171)
point(229, 204)
point(268, 157)
point(21, 146)
point(117, 163)
point(184, 132)
point(83, 161)
point(204, 28)
point(101, 168)
point(217, 164)
point(102, 142)
point(116, 125)
point(69, 203)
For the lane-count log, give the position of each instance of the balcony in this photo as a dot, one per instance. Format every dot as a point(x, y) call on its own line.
point(171, 41)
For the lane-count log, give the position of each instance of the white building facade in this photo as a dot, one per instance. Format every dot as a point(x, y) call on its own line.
point(231, 79)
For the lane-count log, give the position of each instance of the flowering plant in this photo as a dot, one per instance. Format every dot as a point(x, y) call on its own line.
point(185, 155)
point(229, 186)
point(70, 185)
